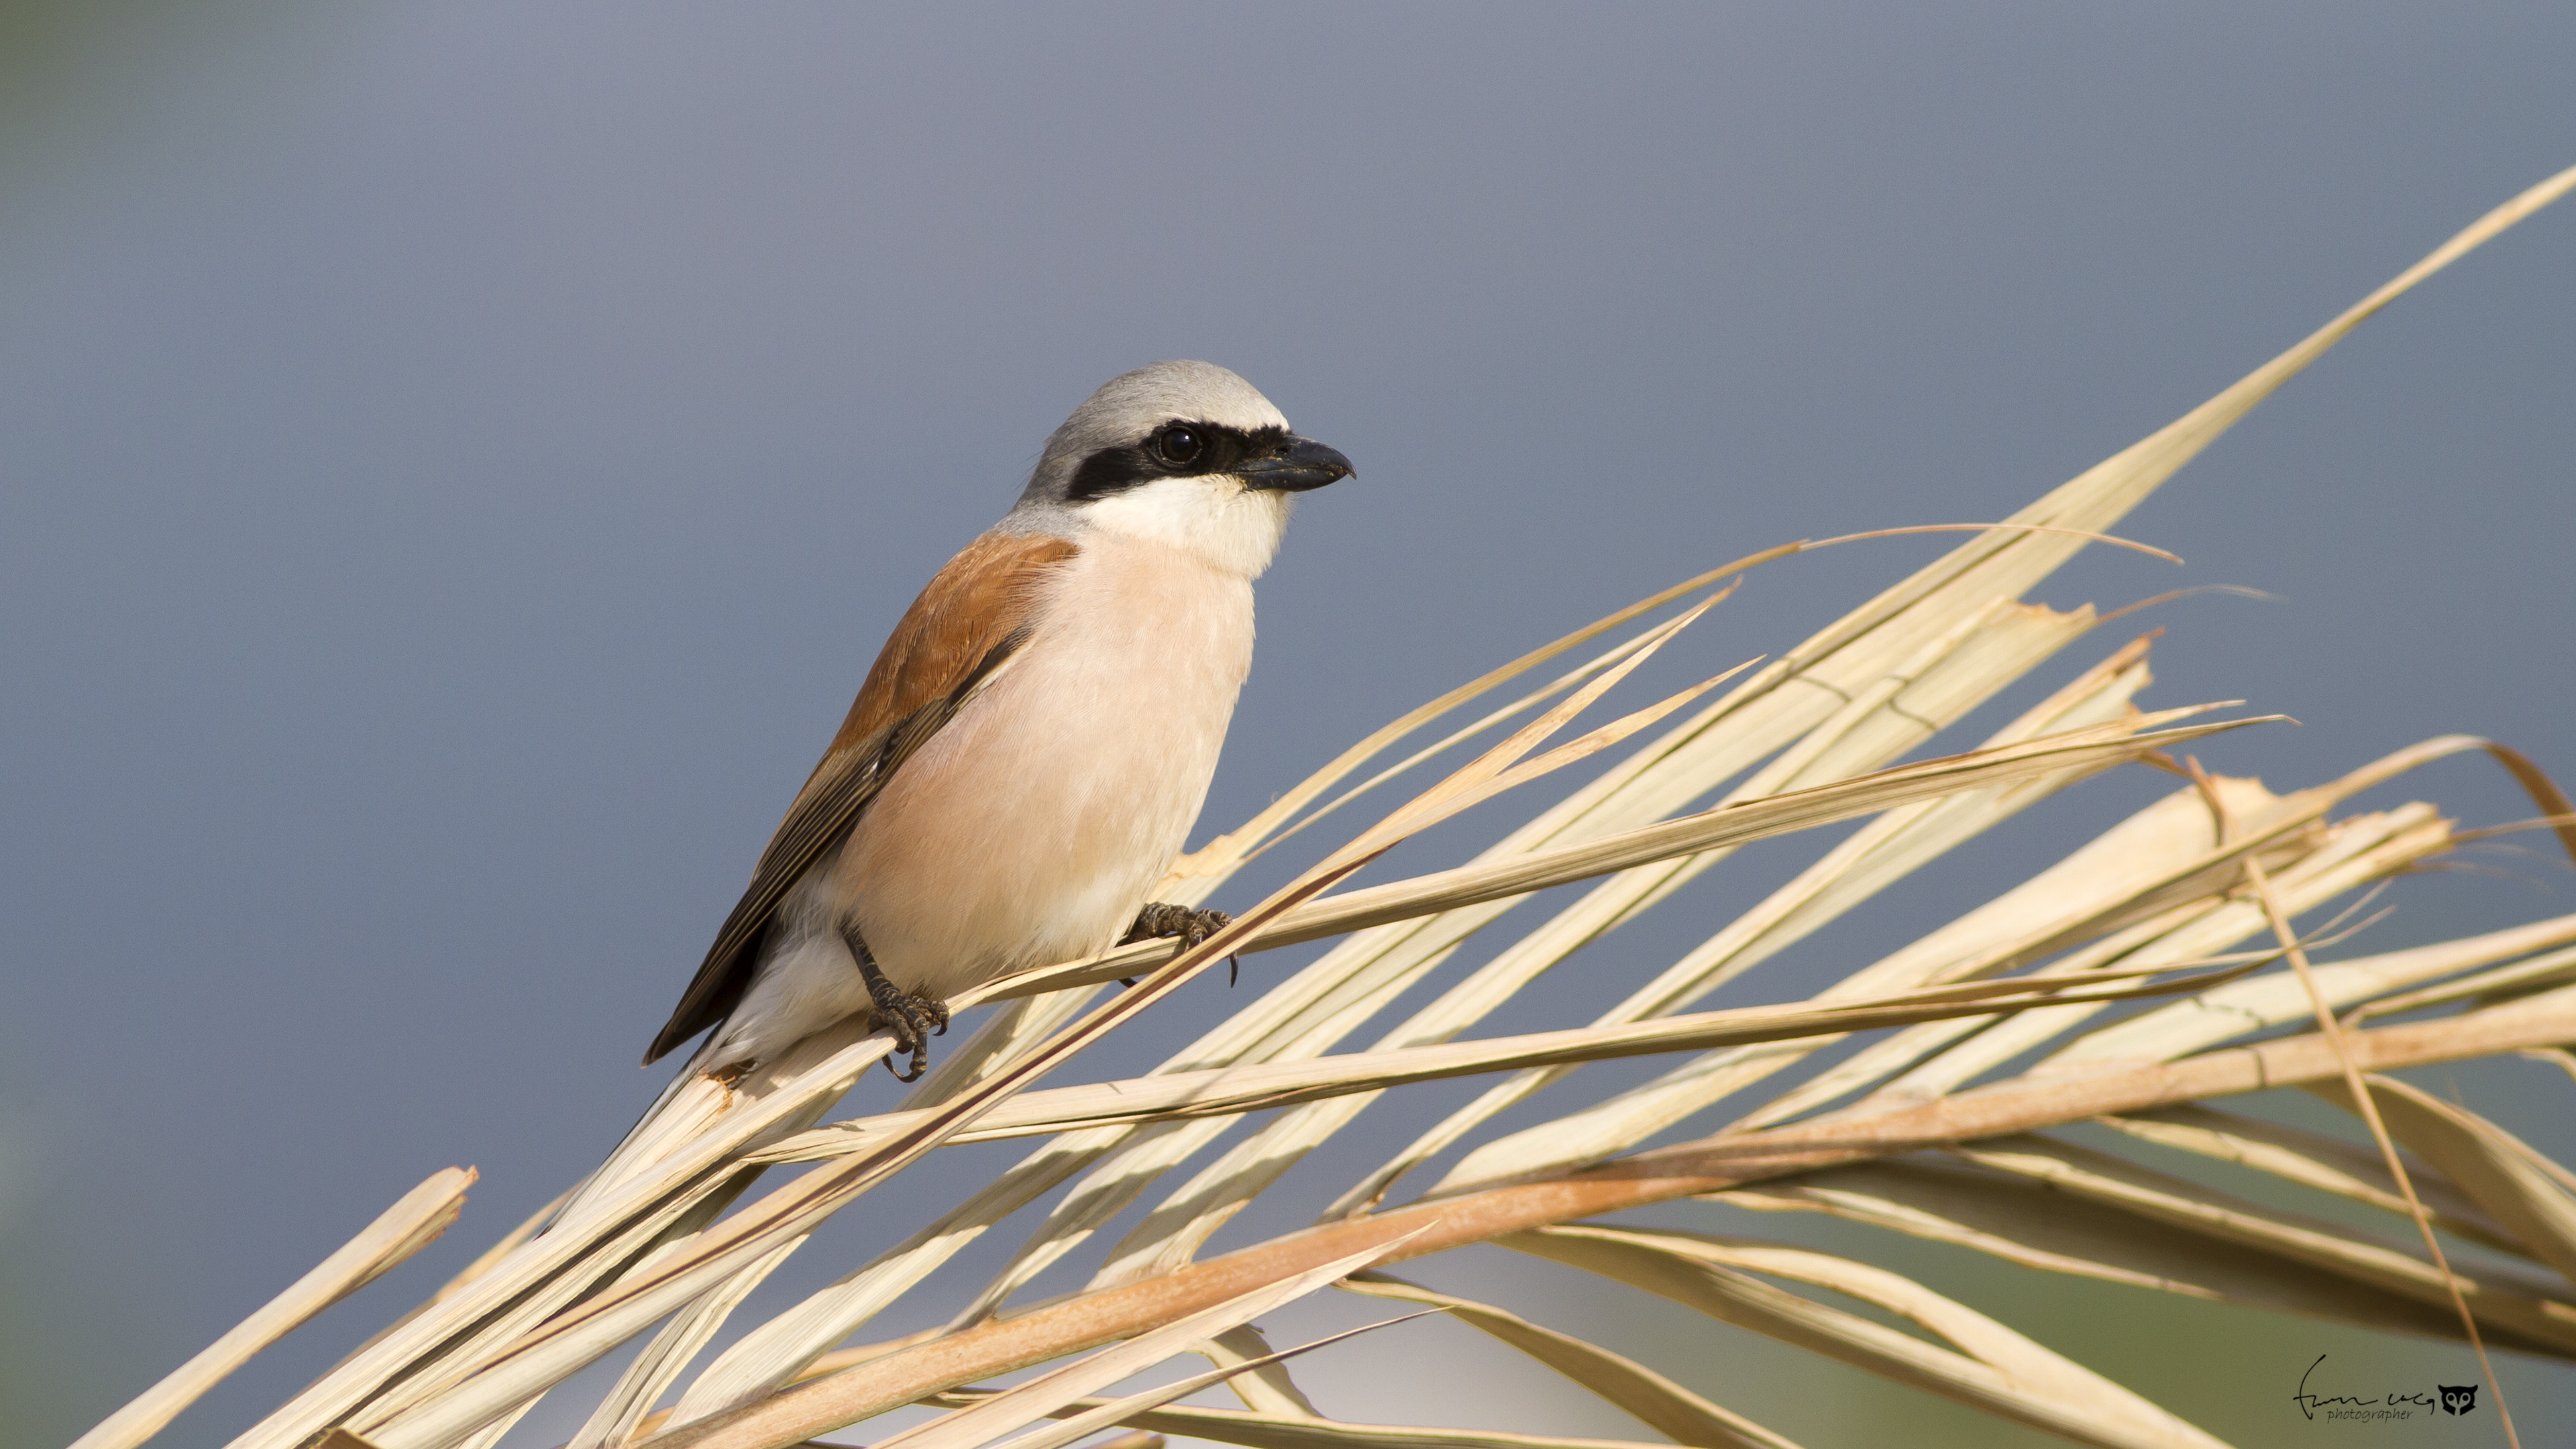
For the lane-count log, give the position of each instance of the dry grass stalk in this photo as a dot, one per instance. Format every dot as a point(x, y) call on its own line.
point(1712, 1165)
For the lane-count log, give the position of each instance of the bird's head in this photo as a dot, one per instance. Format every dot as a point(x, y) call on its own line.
point(1183, 453)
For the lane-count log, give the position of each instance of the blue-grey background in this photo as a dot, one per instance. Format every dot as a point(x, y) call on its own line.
point(456, 462)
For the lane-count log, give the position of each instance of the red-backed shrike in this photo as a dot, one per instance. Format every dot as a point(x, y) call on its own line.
point(1035, 739)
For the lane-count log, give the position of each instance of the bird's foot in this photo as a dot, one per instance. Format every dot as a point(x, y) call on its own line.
point(1191, 924)
point(913, 1019)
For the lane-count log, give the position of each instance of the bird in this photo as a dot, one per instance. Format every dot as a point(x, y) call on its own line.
point(1035, 739)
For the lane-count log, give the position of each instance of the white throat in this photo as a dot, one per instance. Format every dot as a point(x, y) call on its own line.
point(1230, 527)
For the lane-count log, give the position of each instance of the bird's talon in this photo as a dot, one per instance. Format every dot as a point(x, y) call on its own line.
point(1162, 919)
point(914, 1020)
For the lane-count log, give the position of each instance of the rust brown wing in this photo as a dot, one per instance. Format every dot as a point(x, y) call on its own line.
point(963, 627)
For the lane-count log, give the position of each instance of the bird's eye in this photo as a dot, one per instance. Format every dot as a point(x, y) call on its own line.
point(1177, 445)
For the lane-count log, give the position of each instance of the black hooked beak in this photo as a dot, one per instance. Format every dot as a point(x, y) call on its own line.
point(1293, 465)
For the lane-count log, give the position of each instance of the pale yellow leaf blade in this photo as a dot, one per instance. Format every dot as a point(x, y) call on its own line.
point(1268, 1431)
point(2503, 1173)
point(2312, 1159)
point(1654, 1400)
point(2541, 972)
point(1993, 1368)
point(1264, 1386)
point(2241, 1007)
point(1088, 1419)
point(425, 1384)
point(1880, 853)
point(1211, 863)
point(1727, 826)
point(415, 1219)
point(1633, 1115)
point(2507, 1303)
point(2350, 854)
point(1026, 1403)
point(2027, 1223)
point(1229, 1091)
point(666, 1355)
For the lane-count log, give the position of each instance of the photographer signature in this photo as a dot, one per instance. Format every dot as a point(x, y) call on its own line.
point(2459, 1400)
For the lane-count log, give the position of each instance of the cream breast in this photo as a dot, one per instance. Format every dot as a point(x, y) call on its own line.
point(1030, 829)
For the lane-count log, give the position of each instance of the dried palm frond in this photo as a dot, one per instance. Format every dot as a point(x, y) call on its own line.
point(1989, 1032)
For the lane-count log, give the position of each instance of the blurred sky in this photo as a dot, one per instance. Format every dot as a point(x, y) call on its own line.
point(457, 461)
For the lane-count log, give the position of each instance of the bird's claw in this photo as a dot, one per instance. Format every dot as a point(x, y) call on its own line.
point(914, 1020)
point(1191, 924)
